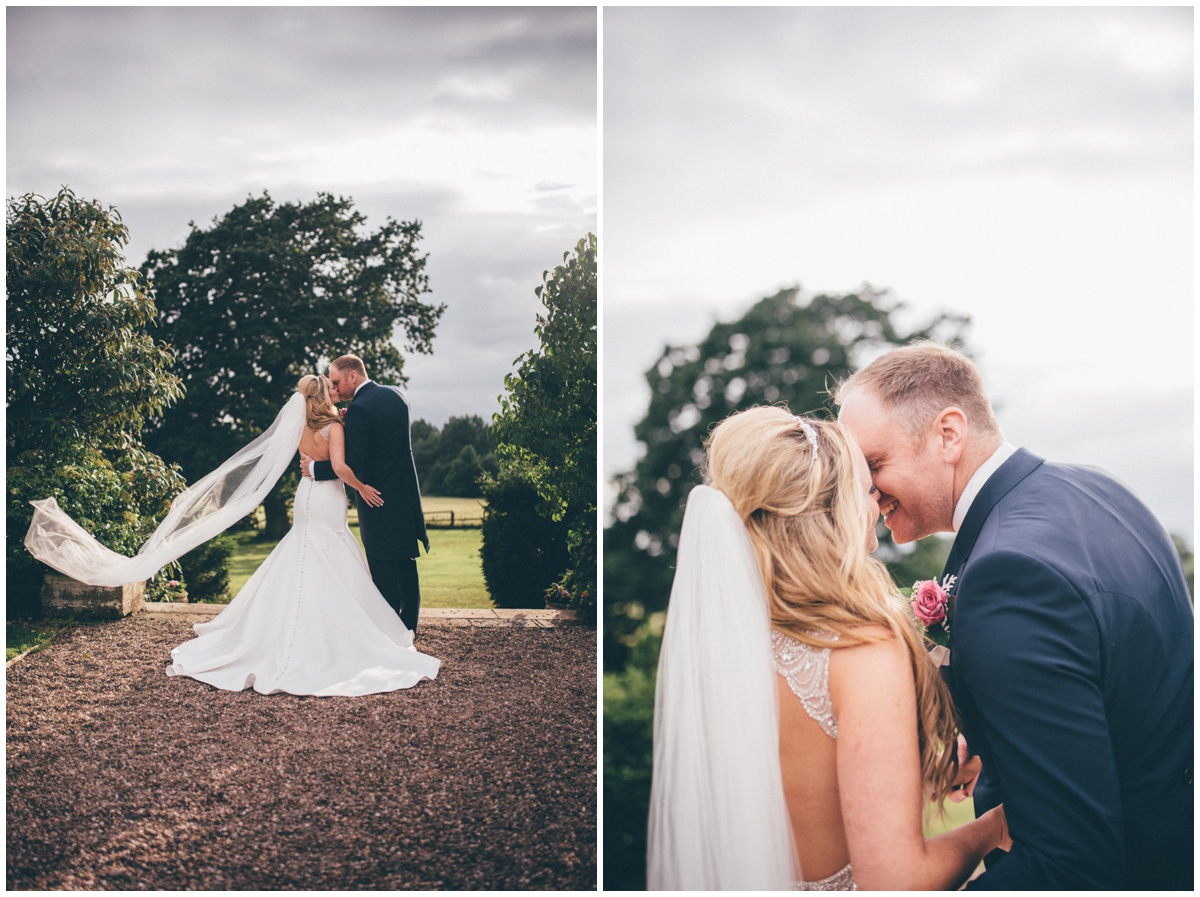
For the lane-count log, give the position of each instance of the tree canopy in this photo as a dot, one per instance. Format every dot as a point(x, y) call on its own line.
point(80, 362)
point(268, 293)
point(83, 374)
point(451, 461)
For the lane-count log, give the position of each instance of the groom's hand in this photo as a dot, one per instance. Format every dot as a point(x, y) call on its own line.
point(305, 461)
point(969, 768)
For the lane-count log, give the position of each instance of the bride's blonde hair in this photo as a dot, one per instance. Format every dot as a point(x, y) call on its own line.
point(807, 519)
point(318, 401)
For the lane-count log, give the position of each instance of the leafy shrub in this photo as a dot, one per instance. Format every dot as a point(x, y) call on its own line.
point(581, 578)
point(206, 569)
point(546, 431)
point(628, 752)
point(116, 500)
point(524, 551)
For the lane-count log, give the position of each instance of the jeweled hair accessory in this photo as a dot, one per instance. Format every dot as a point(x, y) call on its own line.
point(810, 433)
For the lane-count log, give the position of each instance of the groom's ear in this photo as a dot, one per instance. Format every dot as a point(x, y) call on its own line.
point(951, 429)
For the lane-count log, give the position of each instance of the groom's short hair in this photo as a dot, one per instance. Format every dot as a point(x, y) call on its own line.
point(348, 363)
point(917, 382)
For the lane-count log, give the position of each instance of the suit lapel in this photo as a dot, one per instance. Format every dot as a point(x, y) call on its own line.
point(999, 484)
point(369, 385)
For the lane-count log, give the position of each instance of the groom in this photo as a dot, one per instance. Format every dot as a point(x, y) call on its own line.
point(1071, 645)
point(379, 451)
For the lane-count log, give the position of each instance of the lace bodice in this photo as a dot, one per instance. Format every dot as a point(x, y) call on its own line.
point(324, 431)
point(806, 670)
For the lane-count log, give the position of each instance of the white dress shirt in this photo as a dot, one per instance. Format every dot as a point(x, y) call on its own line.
point(981, 476)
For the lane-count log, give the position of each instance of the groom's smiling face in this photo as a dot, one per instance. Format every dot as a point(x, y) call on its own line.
point(913, 482)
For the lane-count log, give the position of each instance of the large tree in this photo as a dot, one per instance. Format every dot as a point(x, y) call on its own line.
point(269, 293)
point(546, 429)
point(83, 372)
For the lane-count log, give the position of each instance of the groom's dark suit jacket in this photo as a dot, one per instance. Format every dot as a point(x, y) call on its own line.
point(1071, 658)
point(379, 451)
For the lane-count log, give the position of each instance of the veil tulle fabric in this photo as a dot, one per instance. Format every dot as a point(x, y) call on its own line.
point(718, 820)
point(200, 512)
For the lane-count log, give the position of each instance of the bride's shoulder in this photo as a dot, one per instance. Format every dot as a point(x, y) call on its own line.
point(330, 427)
point(873, 633)
point(880, 653)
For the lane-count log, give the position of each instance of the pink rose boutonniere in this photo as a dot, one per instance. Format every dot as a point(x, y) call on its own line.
point(933, 607)
point(342, 412)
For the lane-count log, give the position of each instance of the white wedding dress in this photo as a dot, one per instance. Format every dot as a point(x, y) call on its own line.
point(309, 621)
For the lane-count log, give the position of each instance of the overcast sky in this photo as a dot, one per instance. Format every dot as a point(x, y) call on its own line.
point(1029, 167)
point(479, 122)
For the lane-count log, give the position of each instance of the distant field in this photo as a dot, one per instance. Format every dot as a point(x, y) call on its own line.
point(466, 511)
point(956, 815)
point(451, 574)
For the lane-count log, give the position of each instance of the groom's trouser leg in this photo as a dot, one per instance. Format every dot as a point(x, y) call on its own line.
point(398, 582)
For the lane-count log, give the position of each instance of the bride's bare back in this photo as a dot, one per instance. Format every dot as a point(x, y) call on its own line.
point(313, 444)
point(808, 761)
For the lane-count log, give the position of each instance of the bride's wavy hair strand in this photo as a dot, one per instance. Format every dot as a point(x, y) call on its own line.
point(807, 520)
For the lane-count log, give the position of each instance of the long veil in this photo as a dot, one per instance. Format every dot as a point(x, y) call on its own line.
point(718, 820)
point(204, 509)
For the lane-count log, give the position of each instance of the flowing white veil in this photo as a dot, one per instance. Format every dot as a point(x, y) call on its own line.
point(718, 820)
point(204, 509)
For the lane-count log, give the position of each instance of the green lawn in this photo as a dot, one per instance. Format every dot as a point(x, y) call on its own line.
point(956, 815)
point(451, 574)
point(22, 635)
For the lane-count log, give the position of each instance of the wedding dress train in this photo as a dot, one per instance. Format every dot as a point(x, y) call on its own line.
point(309, 621)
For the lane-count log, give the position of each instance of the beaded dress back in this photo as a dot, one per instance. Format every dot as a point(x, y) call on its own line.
point(806, 671)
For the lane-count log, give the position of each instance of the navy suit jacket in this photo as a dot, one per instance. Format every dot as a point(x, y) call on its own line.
point(379, 451)
point(1071, 657)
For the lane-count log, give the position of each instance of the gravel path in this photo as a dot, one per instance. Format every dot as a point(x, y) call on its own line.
point(121, 778)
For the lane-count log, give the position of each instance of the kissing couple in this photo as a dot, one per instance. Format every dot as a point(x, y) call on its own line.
point(316, 618)
point(800, 726)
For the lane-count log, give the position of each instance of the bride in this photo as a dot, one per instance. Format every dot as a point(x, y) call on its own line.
point(309, 621)
point(799, 726)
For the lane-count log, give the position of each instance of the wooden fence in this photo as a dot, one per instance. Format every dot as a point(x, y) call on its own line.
point(452, 519)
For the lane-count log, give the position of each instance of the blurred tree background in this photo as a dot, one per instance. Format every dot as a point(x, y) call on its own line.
point(83, 373)
point(266, 294)
point(451, 461)
point(546, 445)
point(788, 349)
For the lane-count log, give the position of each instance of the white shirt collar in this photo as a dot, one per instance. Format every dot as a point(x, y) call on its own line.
point(981, 476)
point(361, 385)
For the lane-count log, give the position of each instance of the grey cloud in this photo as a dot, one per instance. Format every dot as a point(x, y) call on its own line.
point(840, 98)
point(329, 65)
